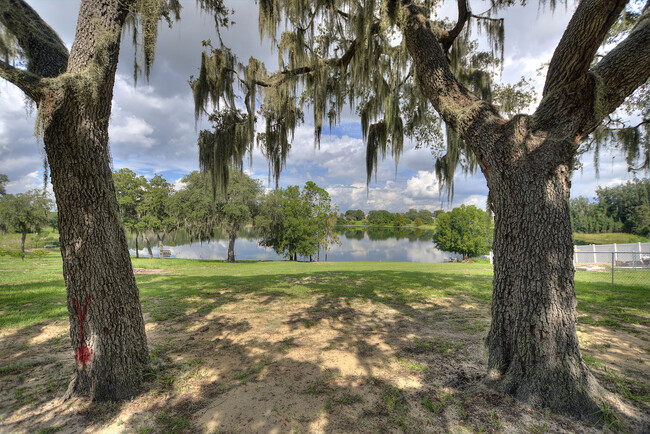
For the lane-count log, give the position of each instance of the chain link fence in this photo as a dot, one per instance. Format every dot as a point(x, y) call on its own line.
point(628, 264)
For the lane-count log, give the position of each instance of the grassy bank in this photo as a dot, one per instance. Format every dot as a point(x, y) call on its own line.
point(11, 240)
point(309, 347)
point(611, 238)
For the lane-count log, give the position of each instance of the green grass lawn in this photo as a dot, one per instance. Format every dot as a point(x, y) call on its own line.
point(11, 240)
point(618, 238)
point(272, 319)
point(33, 290)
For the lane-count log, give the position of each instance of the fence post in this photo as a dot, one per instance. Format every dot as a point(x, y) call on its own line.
point(614, 253)
point(593, 248)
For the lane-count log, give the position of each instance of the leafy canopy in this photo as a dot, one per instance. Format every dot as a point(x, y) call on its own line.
point(24, 212)
point(296, 222)
point(346, 55)
point(466, 230)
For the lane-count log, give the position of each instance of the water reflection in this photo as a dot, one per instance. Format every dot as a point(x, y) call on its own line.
point(369, 244)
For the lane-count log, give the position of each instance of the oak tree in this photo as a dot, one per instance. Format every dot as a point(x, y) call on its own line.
point(73, 93)
point(405, 72)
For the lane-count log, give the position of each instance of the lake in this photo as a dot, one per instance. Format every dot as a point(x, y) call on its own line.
point(377, 244)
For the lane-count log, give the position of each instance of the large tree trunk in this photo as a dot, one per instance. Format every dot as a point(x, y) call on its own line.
point(232, 236)
point(106, 325)
point(534, 351)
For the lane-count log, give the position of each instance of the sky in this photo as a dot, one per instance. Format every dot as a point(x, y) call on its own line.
point(152, 127)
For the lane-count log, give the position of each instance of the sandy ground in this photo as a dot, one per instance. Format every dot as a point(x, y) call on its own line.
point(269, 365)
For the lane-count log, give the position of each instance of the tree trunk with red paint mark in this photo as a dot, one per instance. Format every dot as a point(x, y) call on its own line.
point(96, 262)
point(74, 105)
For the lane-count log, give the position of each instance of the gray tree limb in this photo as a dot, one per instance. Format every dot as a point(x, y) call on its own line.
point(624, 68)
point(32, 84)
point(464, 14)
point(463, 111)
point(583, 36)
point(46, 54)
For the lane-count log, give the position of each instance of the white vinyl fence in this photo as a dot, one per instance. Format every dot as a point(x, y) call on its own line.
point(606, 253)
point(639, 253)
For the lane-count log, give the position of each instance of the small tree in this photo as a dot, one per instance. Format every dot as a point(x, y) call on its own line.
point(466, 230)
point(154, 210)
point(129, 189)
point(26, 212)
point(295, 222)
point(193, 207)
point(238, 207)
point(324, 214)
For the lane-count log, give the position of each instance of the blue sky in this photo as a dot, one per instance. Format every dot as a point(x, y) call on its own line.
point(152, 127)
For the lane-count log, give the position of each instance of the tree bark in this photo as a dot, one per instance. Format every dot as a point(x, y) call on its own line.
point(534, 352)
point(23, 235)
point(148, 243)
point(232, 236)
point(106, 324)
point(533, 346)
point(137, 248)
point(160, 245)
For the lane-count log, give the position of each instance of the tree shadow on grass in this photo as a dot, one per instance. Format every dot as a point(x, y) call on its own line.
point(322, 351)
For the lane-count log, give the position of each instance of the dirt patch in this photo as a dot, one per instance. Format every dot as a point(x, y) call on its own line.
point(264, 364)
point(149, 271)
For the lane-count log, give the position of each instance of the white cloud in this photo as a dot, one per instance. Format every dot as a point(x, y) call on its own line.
point(152, 125)
point(29, 181)
point(478, 201)
point(423, 186)
point(132, 130)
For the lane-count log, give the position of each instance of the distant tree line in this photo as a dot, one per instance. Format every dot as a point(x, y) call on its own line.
point(293, 222)
point(412, 217)
point(624, 208)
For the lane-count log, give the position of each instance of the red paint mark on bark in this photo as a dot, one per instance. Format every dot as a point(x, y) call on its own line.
point(84, 355)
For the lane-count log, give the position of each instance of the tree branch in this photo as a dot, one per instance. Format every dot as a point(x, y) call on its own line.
point(46, 53)
point(464, 112)
point(583, 36)
point(464, 14)
point(30, 83)
point(624, 68)
point(281, 77)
